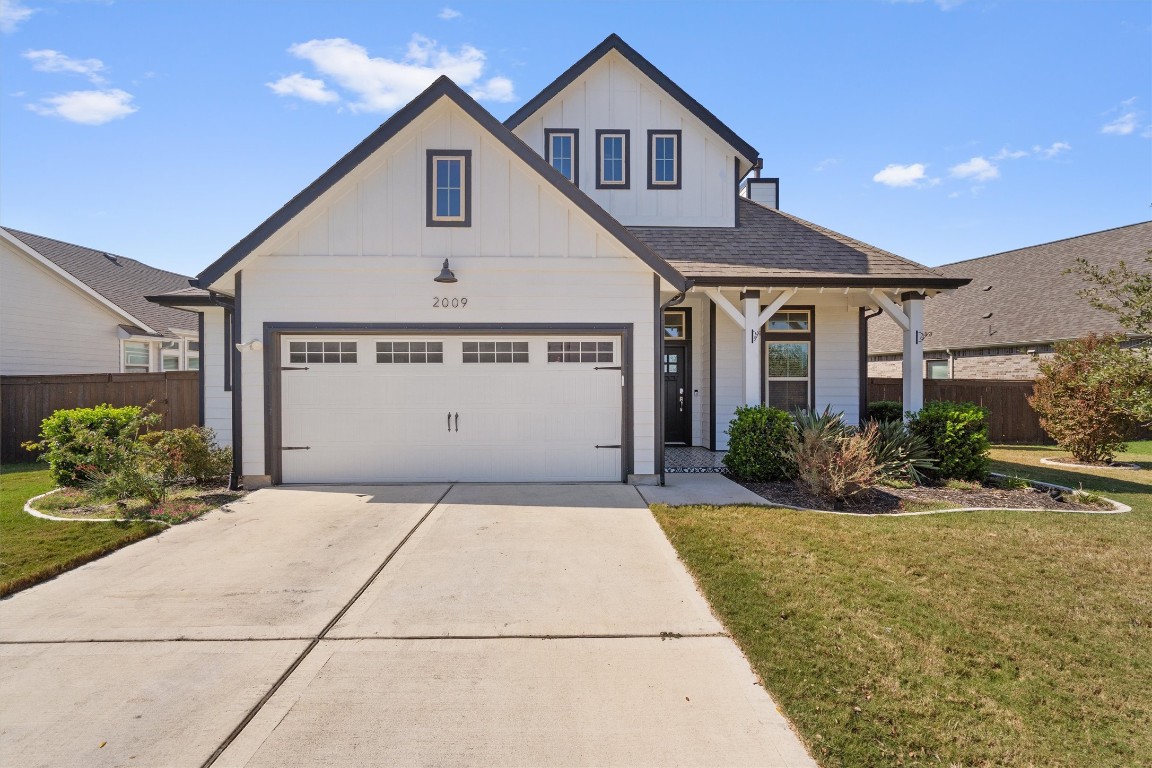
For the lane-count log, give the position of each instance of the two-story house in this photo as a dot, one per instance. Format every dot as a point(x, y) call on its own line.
point(551, 298)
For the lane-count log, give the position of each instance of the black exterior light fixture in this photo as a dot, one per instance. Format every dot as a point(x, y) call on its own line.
point(445, 275)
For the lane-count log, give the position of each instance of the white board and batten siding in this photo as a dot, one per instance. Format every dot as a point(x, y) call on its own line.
point(50, 327)
point(613, 94)
point(217, 400)
point(835, 362)
point(362, 254)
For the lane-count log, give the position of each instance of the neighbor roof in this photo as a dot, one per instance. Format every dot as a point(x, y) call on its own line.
point(770, 247)
point(1028, 296)
point(614, 43)
point(122, 281)
point(441, 88)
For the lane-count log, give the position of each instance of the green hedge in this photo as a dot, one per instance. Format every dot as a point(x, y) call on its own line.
point(757, 438)
point(957, 436)
point(885, 410)
point(72, 441)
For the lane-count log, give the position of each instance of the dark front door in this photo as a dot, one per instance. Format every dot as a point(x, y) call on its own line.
point(677, 396)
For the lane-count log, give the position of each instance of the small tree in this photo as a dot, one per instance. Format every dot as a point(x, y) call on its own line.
point(1080, 402)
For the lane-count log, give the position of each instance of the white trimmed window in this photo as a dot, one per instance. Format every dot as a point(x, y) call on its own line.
point(581, 352)
point(137, 357)
point(322, 352)
point(390, 352)
point(562, 148)
point(611, 159)
point(449, 188)
point(170, 355)
point(495, 352)
point(192, 354)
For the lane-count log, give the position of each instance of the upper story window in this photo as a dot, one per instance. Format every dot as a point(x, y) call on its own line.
point(664, 159)
point(449, 188)
point(611, 159)
point(675, 325)
point(563, 146)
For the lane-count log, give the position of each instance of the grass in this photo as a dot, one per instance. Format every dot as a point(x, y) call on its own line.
point(183, 504)
point(963, 639)
point(33, 550)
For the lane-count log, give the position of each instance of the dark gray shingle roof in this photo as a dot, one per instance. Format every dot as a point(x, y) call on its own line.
point(1027, 293)
point(770, 246)
point(124, 282)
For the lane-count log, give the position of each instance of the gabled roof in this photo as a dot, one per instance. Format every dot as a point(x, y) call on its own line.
point(614, 43)
point(770, 247)
point(120, 281)
point(443, 87)
point(1028, 296)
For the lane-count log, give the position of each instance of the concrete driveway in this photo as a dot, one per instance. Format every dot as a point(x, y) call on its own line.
point(386, 625)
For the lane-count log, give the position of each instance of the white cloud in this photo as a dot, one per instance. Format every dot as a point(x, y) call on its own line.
point(825, 164)
point(896, 175)
point(47, 60)
point(87, 107)
point(378, 84)
point(1052, 150)
point(977, 168)
point(13, 13)
point(1009, 154)
point(496, 89)
point(448, 14)
point(307, 88)
point(1123, 125)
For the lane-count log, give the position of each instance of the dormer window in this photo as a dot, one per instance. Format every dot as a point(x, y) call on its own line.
point(449, 188)
point(563, 151)
point(611, 159)
point(664, 159)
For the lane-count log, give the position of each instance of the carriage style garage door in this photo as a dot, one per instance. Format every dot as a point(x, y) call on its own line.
point(364, 409)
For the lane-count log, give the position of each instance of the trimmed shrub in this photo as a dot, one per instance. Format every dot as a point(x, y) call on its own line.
point(901, 455)
point(886, 410)
point(833, 460)
point(957, 437)
point(756, 440)
point(190, 453)
point(79, 441)
point(1081, 396)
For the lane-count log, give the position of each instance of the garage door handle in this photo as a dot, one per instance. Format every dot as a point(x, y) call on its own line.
point(457, 422)
point(449, 421)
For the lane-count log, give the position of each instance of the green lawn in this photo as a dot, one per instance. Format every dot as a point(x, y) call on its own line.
point(32, 550)
point(966, 639)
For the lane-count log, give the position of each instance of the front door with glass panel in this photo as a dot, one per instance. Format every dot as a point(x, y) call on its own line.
point(677, 379)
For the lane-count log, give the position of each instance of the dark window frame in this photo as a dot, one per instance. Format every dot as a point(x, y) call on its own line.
point(808, 336)
point(627, 159)
point(652, 183)
point(575, 134)
point(465, 187)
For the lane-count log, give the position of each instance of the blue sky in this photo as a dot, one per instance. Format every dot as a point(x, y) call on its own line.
point(940, 130)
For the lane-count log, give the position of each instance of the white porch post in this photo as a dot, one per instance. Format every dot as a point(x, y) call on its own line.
point(752, 372)
point(913, 305)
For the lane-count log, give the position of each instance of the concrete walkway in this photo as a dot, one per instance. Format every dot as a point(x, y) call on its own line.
point(709, 488)
point(389, 625)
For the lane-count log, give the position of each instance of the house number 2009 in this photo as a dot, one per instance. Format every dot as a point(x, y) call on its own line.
point(443, 302)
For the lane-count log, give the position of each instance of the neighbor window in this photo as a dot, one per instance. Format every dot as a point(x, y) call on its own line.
point(137, 357)
point(612, 159)
point(449, 188)
point(409, 352)
point(495, 352)
point(322, 352)
point(192, 355)
point(664, 159)
point(788, 352)
point(580, 352)
point(169, 355)
point(562, 147)
point(937, 369)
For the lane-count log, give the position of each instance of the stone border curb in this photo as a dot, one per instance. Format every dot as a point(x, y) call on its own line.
point(1117, 507)
point(1057, 463)
point(36, 513)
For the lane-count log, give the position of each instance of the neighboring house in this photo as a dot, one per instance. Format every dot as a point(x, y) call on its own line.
point(1017, 306)
point(69, 309)
point(549, 298)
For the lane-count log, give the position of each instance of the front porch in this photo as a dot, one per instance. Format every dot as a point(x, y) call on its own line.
point(691, 459)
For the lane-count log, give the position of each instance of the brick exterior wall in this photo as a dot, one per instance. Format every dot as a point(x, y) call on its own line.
point(1012, 367)
point(888, 369)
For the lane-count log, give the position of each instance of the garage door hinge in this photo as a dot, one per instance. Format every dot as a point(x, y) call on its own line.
point(608, 368)
point(609, 446)
point(296, 448)
point(290, 368)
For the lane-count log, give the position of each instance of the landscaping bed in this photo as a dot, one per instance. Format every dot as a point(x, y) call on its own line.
point(182, 505)
point(993, 494)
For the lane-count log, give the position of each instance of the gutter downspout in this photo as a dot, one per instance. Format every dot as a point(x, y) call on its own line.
point(659, 399)
point(865, 317)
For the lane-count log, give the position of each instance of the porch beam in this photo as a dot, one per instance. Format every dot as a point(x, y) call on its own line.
point(729, 308)
point(913, 363)
point(752, 373)
point(772, 308)
point(891, 308)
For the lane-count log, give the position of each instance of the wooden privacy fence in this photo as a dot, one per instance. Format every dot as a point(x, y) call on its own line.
point(1012, 419)
point(25, 401)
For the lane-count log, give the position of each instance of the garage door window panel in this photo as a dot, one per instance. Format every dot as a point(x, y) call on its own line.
point(495, 352)
point(581, 352)
point(321, 352)
point(400, 352)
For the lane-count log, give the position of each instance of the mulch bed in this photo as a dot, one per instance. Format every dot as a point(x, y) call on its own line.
point(892, 500)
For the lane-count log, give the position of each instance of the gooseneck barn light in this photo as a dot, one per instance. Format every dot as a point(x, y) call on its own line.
point(445, 275)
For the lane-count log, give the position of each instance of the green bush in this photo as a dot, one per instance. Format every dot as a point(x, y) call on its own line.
point(957, 436)
point(901, 455)
point(885, 410)
point(756, 440)
point(135, 470)
point(190, 453)
point(79, 441)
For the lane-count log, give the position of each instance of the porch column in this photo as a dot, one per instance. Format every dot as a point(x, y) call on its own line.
point(913, 366)
point(752, 373)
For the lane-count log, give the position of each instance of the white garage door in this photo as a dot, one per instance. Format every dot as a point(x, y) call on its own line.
point(457, 408)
